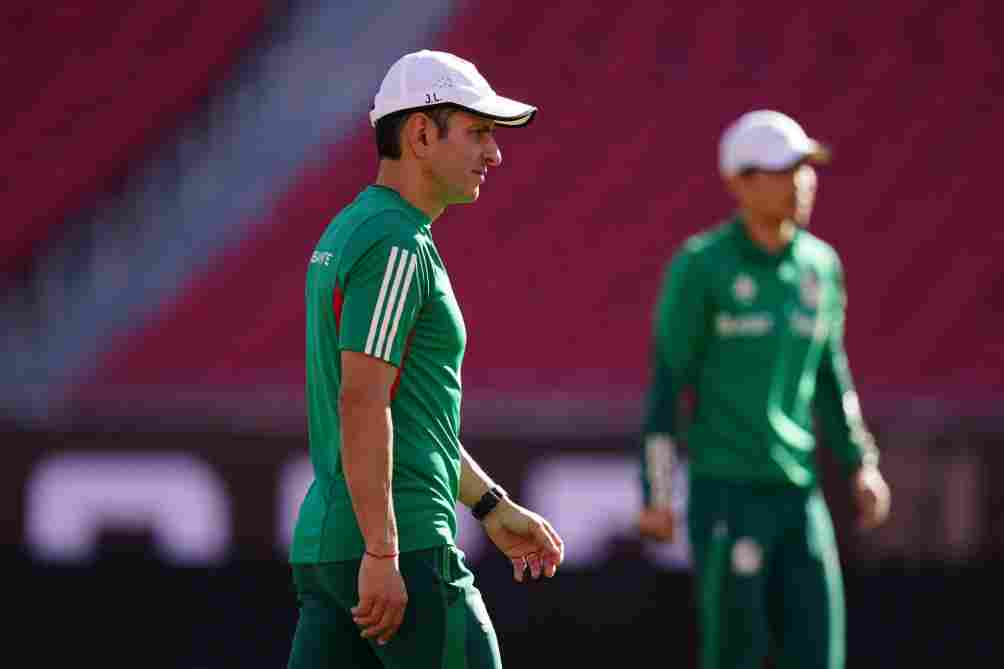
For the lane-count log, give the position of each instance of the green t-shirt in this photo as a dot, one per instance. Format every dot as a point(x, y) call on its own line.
point(376, 285)
point(759, 338)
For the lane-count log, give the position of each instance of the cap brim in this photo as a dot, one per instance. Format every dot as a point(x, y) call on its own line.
point(813, 152)
point(504, 111)
point(818, 154)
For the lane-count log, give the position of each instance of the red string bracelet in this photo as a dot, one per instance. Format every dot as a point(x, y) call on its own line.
point(382, 557)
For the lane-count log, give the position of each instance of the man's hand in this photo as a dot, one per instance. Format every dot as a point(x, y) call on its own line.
point(382, 598)
point(871, 493)
point(657, 523)
point(526, 538)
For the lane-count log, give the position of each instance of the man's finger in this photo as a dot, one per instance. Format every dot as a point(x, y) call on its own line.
point(518, 567)
point(533, 560)
point(866, 507)
point(662, 534)
point(392, 627)
point(383, 629)
point(657, 524)
point(376, 625)
point(376, 613)
point(551, 562)
point(879, 512)
point(869, 519)
point(556, 538)
point(544, 539)
point(364, 606)
point(873, 510)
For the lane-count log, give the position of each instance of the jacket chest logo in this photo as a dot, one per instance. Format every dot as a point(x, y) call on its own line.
point(744, 289)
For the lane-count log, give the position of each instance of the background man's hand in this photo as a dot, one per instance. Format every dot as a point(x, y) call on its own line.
point(527, 539)
point(657, 523)
point(871, 494)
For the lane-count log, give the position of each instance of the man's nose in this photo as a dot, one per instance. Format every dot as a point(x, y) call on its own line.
point(493, 154)
point(805, 178)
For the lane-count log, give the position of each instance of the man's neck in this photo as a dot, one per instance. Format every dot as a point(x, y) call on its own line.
point(770, 234)
point(397, 176)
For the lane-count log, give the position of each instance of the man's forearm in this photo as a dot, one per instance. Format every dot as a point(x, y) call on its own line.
point(474, 482)
point(367, 459)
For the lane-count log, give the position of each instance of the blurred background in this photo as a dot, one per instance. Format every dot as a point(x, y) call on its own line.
point(167, 166)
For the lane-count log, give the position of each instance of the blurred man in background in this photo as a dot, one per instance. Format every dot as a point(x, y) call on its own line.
point(378, 575)
point(751, 319)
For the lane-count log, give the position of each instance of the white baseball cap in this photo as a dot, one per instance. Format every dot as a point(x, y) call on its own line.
point(425, 78)
point(767, 140)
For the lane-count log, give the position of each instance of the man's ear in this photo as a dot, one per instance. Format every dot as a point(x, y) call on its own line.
point(417, 134)
point(734, 184)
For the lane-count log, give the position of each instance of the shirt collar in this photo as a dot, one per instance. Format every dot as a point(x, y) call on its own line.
point(421, 220)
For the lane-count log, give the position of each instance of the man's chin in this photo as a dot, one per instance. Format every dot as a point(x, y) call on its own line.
point(466, 198)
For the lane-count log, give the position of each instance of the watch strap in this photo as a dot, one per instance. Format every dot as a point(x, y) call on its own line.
point(488, 502)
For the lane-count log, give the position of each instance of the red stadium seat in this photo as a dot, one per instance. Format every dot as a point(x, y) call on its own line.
point(558, 265)
point(88, 92)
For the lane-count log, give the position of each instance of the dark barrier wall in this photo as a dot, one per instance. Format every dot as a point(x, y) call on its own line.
point(223, 494)
point(138, 592)
point(127, 611)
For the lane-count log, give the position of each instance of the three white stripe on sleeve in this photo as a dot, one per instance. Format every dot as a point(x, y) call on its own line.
point(390, 304)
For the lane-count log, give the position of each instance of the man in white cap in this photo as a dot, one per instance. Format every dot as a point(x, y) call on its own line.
point(751, 320)
point(379, 579)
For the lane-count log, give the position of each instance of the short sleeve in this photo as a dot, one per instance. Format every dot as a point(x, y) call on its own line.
point(381, 298)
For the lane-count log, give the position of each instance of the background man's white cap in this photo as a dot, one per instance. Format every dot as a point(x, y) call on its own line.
point(766, 140)
point(425, 78)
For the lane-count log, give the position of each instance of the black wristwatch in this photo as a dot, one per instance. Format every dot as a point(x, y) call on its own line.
point(488, 502)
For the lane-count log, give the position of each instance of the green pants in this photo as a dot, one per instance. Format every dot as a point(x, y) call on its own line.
point(445, 626)
point(768, 576)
